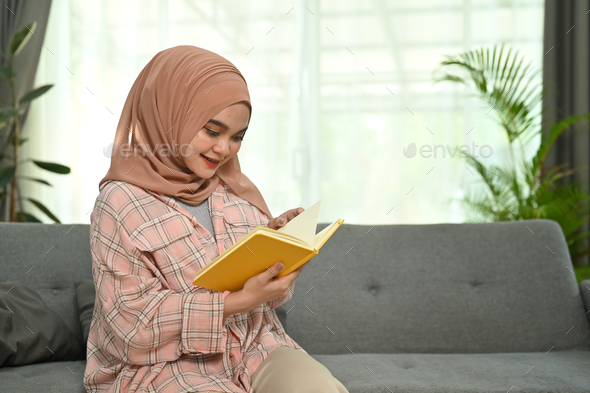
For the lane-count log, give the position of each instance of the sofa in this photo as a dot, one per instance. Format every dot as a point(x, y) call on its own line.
point(482, 307)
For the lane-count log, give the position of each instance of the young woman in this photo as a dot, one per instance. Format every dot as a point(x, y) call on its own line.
point(173, 199)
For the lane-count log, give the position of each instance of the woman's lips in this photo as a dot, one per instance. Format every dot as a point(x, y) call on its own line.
point(209, 163)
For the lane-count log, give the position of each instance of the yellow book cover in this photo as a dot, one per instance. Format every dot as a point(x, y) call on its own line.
point(293, 245)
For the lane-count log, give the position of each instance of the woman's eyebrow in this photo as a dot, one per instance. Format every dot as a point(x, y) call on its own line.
point(224, 126)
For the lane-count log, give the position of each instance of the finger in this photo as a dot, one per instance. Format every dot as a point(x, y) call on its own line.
point(298, 211)
point(287, 216)
point(291, 214)
point(284, 218)
point(274, 270)
point(275, 223)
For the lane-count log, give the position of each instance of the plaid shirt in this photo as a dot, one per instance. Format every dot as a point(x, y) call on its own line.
point(153, 330)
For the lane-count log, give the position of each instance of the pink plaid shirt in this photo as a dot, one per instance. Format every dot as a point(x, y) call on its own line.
point(153, 330)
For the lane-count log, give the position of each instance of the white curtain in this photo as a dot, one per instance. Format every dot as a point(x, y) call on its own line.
point(338, 88)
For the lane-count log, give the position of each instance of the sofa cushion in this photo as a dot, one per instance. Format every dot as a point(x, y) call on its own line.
point(30, 332)
point(565, 372)
point(440, 288)
point(52, 377)
point(85, 296)
point(367, 373)
point(49, 258)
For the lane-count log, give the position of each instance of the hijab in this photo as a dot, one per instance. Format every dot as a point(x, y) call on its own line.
point(173, 97)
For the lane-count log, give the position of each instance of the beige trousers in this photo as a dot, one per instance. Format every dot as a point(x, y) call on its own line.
point(288, 370)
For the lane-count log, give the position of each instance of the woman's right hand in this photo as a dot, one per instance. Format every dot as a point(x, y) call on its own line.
point(265, 287)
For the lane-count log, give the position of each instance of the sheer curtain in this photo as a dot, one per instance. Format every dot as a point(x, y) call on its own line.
point(339, 89)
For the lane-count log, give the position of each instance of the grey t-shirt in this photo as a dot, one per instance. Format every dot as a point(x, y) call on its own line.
point(201, 213)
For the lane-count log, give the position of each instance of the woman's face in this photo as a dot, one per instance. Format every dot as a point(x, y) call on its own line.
point(220, 139)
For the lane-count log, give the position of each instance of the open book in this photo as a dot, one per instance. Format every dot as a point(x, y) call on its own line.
point(293, 245)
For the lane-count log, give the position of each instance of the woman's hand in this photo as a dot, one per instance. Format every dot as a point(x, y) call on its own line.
point(265, 287)
point(283, 219)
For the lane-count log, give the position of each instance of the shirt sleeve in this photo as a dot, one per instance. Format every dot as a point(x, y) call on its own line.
point(142, 321)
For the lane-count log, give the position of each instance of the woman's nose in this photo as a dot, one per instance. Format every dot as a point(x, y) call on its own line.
point(221, 148)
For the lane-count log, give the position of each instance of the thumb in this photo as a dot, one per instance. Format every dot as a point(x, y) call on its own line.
point(276, 268)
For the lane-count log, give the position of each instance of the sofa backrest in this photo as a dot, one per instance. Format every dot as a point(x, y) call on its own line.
point(49, 258)
point(464, 288)
point(440, 288)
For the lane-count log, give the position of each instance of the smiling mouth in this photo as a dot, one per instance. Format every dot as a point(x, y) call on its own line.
point(208, 159)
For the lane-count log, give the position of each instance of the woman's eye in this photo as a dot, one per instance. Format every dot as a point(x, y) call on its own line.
point(213, 133)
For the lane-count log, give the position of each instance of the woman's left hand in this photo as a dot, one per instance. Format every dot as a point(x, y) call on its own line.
point(287, 216)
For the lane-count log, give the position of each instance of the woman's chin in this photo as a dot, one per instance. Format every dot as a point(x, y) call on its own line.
point(205, 173)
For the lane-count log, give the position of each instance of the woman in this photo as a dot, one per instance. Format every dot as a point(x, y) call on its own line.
point(173, 199)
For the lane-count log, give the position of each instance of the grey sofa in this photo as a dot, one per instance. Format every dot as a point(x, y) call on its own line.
point(394, 308)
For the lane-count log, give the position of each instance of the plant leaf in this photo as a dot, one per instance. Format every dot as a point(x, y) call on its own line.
point(5, 73)
point(8, 112)
point(53, 167)
point(20, 141)
point(26, 217)
point(44, 209)
point(35, 179)
point(6, 174)
point(20, 38)
point(527, 189)
point(502, 81)
point(555, 132)
point(31, 95)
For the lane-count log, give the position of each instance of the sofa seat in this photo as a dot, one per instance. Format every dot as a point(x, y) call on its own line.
point(50, 377)
point(469, 373)
point(376, 373)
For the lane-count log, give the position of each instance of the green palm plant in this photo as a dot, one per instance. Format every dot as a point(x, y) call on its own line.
point(10, 141)
point(524, 189)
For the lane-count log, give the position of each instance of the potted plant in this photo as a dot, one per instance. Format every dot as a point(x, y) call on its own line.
point(523, 189)
point(10, 139)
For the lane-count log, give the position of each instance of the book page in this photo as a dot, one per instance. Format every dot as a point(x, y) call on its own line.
point(319, 238)
point(284, 236)
point(304, 225)
point(325, 234)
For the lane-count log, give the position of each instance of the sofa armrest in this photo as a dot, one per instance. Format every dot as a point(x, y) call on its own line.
point(585, 290)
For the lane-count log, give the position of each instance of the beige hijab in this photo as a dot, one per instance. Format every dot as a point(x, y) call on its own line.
point(173, 97)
